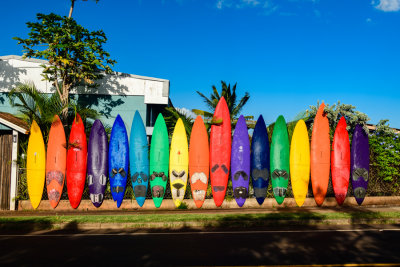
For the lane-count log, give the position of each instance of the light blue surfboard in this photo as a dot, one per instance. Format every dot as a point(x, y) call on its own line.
point(139, 159)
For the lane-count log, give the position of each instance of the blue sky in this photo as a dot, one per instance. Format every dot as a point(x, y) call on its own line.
point(287, 54)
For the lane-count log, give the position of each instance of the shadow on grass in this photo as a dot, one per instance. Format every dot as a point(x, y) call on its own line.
point(25, 225)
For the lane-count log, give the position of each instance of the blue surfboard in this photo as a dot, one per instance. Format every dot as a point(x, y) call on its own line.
point(118, 160)
point(259, 160)
point(139, 159)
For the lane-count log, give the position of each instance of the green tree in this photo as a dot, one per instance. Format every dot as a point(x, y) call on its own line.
point(336, 111)
point(75, 55)
point(384, 158)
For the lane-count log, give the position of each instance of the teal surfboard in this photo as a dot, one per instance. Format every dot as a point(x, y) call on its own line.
point(139, 159)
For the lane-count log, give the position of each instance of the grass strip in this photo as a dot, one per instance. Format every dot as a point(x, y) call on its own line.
point(148, 218)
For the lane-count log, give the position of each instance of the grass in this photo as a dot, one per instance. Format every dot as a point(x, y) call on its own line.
point(223, 219)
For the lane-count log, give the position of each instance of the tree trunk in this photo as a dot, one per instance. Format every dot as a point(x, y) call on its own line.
point(64, 101)
point(71, 9)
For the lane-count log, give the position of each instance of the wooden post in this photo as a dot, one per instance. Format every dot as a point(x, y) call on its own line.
point(14, 170)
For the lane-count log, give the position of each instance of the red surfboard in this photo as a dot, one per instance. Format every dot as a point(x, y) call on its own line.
point(220, 151)
point(76, 162)
point(320, 155)
point(340, 161)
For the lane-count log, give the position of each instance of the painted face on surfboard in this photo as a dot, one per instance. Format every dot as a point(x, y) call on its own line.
point(260, 183)
point(96, 196)
point(118, 180)
point(219, 170)
point(360, 177)
point(158, 182)
point(178, 186)
point(240, 182)
point(199, 183)
point(54, 183)
point(280, 178)
point(139, 182)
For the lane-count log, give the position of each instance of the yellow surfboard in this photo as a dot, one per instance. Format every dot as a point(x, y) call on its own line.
point(178, 163)
point(300, 162)
point(36, 165)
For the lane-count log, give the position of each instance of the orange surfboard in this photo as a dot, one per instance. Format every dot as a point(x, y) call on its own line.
point(56, 162)
point(320, 155)
point(199, 161)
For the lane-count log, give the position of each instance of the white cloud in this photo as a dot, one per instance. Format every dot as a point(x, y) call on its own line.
point(237, 3)
point(368, 20)
point(250, 2)
point(388, 5)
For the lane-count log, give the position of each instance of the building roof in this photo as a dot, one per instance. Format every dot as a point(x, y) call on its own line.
point(14, 122)
point(16, 69)
point(35, 60)
point(42, 61)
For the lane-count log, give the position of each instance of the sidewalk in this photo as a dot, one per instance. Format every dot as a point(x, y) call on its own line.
point(375, 210)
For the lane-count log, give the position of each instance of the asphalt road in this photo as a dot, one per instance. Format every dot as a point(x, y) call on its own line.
point(308, 245)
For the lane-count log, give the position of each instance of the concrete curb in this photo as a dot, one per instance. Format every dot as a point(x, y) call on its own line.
point(217, 225)
point(168, 204)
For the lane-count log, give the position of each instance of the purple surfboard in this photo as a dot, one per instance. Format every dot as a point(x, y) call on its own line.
point(240, 162)
point(359, 163)
point(97, 163)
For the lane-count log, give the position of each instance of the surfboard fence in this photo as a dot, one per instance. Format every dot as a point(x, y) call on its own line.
point(376, 187)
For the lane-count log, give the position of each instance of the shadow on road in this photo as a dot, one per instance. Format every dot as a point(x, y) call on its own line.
point(287, 236)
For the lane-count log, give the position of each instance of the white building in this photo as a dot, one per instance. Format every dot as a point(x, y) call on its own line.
point(118, 93)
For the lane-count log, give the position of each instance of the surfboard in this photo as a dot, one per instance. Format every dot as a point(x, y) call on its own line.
point(118, 160)
point(199, 161)
point(97, 163)
point(220, 151)
point(76, 162)
point(280, 171)
point(36, 165)
point(260, 160)
point(320, 156)
point(240, 162)
point(159, 160)
point(359, 163)
point(300, 162)
point(340, 161)
point(178, 163)
point(139, 159)
point(56, 161)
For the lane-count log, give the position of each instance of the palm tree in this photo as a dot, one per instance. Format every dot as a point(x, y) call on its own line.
point(235, 106)
point(171, 116)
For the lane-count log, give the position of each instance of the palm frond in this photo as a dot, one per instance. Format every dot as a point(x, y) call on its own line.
point(206, 100)
point(203, 113)
point(236, 110)
point(171, 117)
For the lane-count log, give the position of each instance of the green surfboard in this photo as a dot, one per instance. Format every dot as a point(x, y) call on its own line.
point(159, 161)
point(280, 159)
